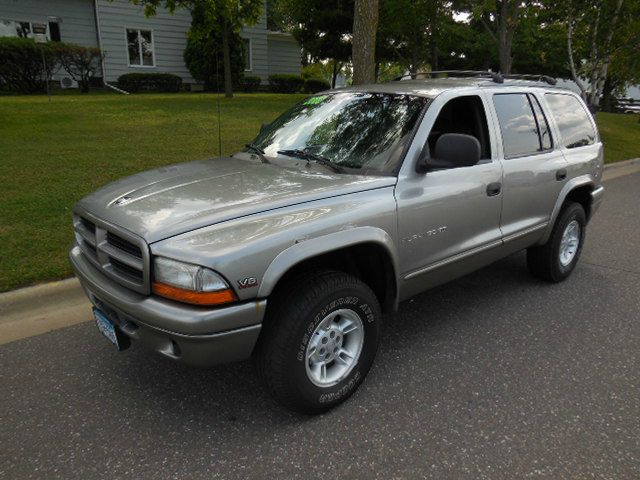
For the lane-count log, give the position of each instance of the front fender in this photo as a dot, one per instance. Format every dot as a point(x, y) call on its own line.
point(308, 249)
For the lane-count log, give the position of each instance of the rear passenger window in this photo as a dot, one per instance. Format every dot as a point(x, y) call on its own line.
point(573, 121)
point(517, 124)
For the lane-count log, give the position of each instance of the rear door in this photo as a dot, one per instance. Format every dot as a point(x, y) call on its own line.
point(534, 168)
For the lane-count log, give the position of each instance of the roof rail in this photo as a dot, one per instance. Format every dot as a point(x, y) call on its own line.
point(531, 76)
point(494, 76)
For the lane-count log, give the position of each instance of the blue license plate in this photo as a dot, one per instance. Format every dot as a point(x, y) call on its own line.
point(106, 327)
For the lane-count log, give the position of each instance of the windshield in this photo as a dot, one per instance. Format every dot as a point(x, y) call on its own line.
point(362, 131)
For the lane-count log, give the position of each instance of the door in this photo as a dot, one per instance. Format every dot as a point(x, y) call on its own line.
point(449, 220)
point(534, 169)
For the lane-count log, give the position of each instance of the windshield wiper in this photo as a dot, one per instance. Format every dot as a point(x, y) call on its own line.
point(258, 151)
point(313, 156)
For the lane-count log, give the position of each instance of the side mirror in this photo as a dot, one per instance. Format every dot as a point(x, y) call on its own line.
point(452, 150)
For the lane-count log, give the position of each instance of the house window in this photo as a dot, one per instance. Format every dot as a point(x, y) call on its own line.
point(15, 28)
point(140, 48)
point(248, 54)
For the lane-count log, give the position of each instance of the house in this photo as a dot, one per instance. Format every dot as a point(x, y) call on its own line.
point(132, 42)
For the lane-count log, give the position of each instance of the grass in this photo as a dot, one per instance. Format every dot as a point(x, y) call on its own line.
point(52, 154)
point(620, 135)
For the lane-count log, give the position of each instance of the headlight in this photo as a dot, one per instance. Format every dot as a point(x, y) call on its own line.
point(190, 283)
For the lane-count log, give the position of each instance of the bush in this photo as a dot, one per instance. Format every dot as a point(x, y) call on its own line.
point(81, 63)
point(286, 83)
point(250, 83)
point(149, 82)
point(313, 85)
point(21, 68)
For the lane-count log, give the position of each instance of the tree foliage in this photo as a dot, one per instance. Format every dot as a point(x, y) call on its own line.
point(203, 54)
point(225, 16)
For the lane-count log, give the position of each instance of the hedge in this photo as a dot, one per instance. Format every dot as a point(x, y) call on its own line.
point(250, 83)
point(149, 82)
point(286, 83)
point(21, 68)
point(313, 85)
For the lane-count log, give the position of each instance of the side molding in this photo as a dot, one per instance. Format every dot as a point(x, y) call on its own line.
point(327, 243)
point(572, 184)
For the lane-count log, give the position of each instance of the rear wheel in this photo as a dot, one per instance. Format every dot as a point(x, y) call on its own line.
point(555, 260)
point(318, 341)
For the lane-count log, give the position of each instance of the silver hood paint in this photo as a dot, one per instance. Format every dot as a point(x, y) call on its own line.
point(161, 203)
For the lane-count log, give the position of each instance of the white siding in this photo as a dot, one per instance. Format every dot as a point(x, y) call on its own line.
point(284, 54)
point(258, 35)
point(78, 24)
point(169, 38)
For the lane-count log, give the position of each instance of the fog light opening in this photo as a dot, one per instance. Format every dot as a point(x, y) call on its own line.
point(175, 348)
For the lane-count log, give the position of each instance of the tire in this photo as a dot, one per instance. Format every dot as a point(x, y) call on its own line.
point(292, 330)
point(547, 261)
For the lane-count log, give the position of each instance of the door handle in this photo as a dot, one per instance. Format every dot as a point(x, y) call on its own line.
point(494, 189)
point(561, 174)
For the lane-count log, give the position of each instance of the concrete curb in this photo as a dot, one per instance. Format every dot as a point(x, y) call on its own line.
point(34, 310)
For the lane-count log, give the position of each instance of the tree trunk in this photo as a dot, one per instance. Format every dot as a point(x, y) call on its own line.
point(506, 29)
point(365, 25)
point(228, 87)
point(334, 74)
point(572, 63)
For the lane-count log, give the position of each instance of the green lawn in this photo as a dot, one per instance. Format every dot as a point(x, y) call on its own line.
point(620, 135)
point(52, 154)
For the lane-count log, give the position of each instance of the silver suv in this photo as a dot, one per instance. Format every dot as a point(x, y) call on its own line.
point(352, 201)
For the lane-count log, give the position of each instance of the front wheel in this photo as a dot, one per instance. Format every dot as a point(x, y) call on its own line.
point(318, 341)
point(555, 260)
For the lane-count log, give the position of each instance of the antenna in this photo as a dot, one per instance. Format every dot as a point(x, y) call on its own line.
point(218, 103)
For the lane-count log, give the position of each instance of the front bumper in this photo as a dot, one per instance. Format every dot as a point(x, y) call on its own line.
point(194, 335)
point(596, 200)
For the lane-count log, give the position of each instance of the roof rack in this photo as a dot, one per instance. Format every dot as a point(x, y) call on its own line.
point(494, 76)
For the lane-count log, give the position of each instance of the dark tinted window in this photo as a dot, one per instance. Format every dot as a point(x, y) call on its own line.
point(54, 31)
point(543, 126)
point(517, 124)
point(572, 119)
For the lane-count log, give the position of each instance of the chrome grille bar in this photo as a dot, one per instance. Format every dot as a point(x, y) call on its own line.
point(118, 253)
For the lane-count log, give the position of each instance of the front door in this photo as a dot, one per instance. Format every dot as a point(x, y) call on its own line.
point(449, 220)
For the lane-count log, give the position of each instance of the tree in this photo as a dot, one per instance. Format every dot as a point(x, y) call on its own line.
point(598, 32)
point(365, 26)
point(228, 15)
point(203, 55)
point(500, 19)
point(81, 63)
point(322, 27)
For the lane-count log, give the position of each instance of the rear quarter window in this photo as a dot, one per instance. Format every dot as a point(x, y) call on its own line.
point(576, 129)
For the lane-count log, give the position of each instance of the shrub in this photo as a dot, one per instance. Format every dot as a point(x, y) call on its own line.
point(149, 82)
point(286, 83)
point(250, 83)
point(21, 68)
point(313, 85)
point(81, 63)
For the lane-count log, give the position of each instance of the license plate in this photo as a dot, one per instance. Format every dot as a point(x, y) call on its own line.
point(106, 327)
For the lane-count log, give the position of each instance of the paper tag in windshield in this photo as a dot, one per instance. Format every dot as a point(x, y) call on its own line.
point(315, 100)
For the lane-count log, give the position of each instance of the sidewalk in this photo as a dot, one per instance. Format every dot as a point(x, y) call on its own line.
point(35, 310)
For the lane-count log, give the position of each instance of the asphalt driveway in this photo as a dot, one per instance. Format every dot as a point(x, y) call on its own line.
point(494, 376)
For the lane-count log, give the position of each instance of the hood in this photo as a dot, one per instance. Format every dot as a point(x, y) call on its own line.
point(168, 201)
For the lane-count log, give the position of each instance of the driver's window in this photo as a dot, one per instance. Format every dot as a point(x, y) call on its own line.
point(464, 115)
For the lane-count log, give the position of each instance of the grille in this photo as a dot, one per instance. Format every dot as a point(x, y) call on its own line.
point(119, 254)
point(122, 244)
